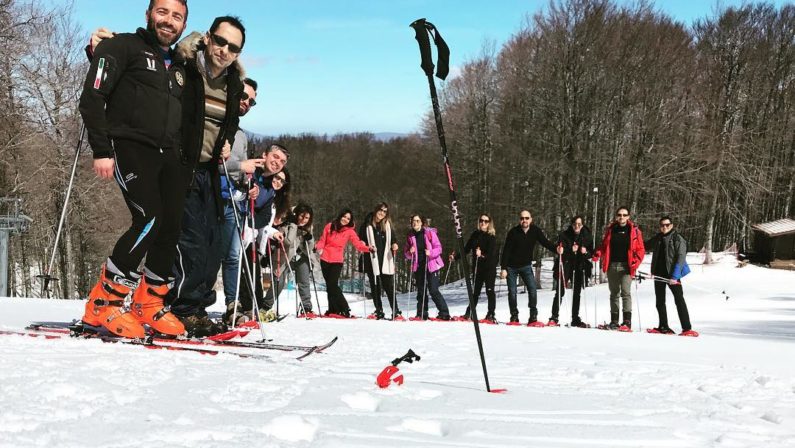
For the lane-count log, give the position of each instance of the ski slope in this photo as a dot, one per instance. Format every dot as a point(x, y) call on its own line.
point(567, 387)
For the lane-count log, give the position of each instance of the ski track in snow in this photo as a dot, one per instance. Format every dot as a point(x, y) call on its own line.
point(567, 387)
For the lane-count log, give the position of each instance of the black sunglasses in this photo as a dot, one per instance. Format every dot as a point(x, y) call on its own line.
point(251, 101)
point(524, 218)
point(221, 42)
point(622, 214)
point(486, 221)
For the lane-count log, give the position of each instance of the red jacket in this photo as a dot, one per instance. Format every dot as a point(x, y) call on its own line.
point(636, 249)
point(333, 243)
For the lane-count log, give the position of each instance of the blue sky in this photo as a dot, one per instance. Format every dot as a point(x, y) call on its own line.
point(331, 66)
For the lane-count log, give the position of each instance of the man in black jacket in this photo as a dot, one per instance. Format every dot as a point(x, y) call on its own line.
point(669, 261)
point(131, 107)
point(210, 121)
point(517, 259)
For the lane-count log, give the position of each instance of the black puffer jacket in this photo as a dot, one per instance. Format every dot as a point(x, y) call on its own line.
point(129, 94)
point(575, 261)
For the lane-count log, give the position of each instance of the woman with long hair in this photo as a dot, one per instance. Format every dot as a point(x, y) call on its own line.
point(482, 244)
point(376, 231)
point(331, 248)
point(424, 250)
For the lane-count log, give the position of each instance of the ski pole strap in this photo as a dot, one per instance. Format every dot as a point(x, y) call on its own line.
point(422, 28)
point(409, 357)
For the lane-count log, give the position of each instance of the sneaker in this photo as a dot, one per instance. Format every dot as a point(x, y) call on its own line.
point(202, 326)
point(553, 323)
point(106, 308)
point(147, 306)
point(690, 333)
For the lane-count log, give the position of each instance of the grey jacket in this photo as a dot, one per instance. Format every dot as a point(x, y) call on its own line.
point(675, 251)
point(239, 154)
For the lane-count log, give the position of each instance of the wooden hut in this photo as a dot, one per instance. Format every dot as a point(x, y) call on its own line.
point(774, 243)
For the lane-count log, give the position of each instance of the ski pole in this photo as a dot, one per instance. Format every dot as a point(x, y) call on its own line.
point(637, 304)
point(236, 212)
point(47, 278)
point(312, 275)
point(254, 268)
point(422, 29)
point(424, 288)
point(657, 278)
point(447, 275)
point(292, 274)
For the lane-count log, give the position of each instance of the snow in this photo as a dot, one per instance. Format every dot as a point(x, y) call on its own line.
point(567, 387)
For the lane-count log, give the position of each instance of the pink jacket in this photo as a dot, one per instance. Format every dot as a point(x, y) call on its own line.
point(431, 242)
point(333, 243)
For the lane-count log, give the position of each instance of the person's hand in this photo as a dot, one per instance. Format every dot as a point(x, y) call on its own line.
point(427, 252)
point(278, 236)
point(568, 284)
point(560, 250)
point(251, 165)
point(411, 250)
point(503, 274)
point(395, 247)
point(319, 251)
point(104, 167)
point(574, 247)
point(226, 151)
point(99, 35)
point(583, 250)
point(477, 252)
point(372, 249)
point(254, 192)
point(673, 282)
point(451, 257)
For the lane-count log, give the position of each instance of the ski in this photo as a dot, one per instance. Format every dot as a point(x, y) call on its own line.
point(78, 329)
point(146, 343)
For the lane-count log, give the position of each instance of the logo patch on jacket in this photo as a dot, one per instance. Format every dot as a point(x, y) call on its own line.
point(100, 72)
point(180, 79)
point(151, 64)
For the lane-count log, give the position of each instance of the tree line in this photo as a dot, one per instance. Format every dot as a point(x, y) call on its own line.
point(588, 106)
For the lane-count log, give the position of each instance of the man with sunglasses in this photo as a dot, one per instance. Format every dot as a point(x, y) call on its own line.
point(233, 183)
point(211, 106)
point(621, 252)
point(517, 259)
point(669, 261)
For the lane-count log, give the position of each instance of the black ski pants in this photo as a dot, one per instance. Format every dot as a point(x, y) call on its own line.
point(429, 288)
point(384, 282)
point(578, 284)
point(336, 300)
point(485, 277)
point(679, 301)
point(151, 183)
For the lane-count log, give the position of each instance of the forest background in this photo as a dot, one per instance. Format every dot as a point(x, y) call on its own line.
point(691, 120)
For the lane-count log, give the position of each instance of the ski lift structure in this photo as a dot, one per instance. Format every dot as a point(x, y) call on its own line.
point(12, 222)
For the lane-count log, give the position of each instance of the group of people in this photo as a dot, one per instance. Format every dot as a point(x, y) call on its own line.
point(163, 121)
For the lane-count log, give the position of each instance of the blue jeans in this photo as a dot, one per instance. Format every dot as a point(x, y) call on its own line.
point(230, 252)
point(526, 272)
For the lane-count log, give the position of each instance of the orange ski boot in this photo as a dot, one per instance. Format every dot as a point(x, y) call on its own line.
point(105, 307)
point(147, 307)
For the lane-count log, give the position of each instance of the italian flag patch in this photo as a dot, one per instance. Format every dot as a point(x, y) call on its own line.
point(100, 72)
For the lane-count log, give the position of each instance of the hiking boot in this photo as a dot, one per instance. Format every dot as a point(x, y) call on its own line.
point(147, 306)
point(490, 318)
point(443, 317)
point(240, 318)
point(514, 319)
point(201, 326)
point(578, 323)
point(613, 326)
point(553, 323)
point(105, 306)
point(661, 330)
point(267, 315)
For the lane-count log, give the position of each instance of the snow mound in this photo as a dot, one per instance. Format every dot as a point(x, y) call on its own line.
point(291, 428)
point(361, 401)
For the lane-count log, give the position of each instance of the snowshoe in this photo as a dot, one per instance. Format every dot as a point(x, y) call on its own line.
point(689, 333)
point(535, 324)
point(660, 330)
point(553, 323)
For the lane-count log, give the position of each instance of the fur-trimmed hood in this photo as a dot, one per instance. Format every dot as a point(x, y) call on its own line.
point(191, 44)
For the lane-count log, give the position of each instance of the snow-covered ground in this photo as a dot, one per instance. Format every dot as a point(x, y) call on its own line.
point(732, 387)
